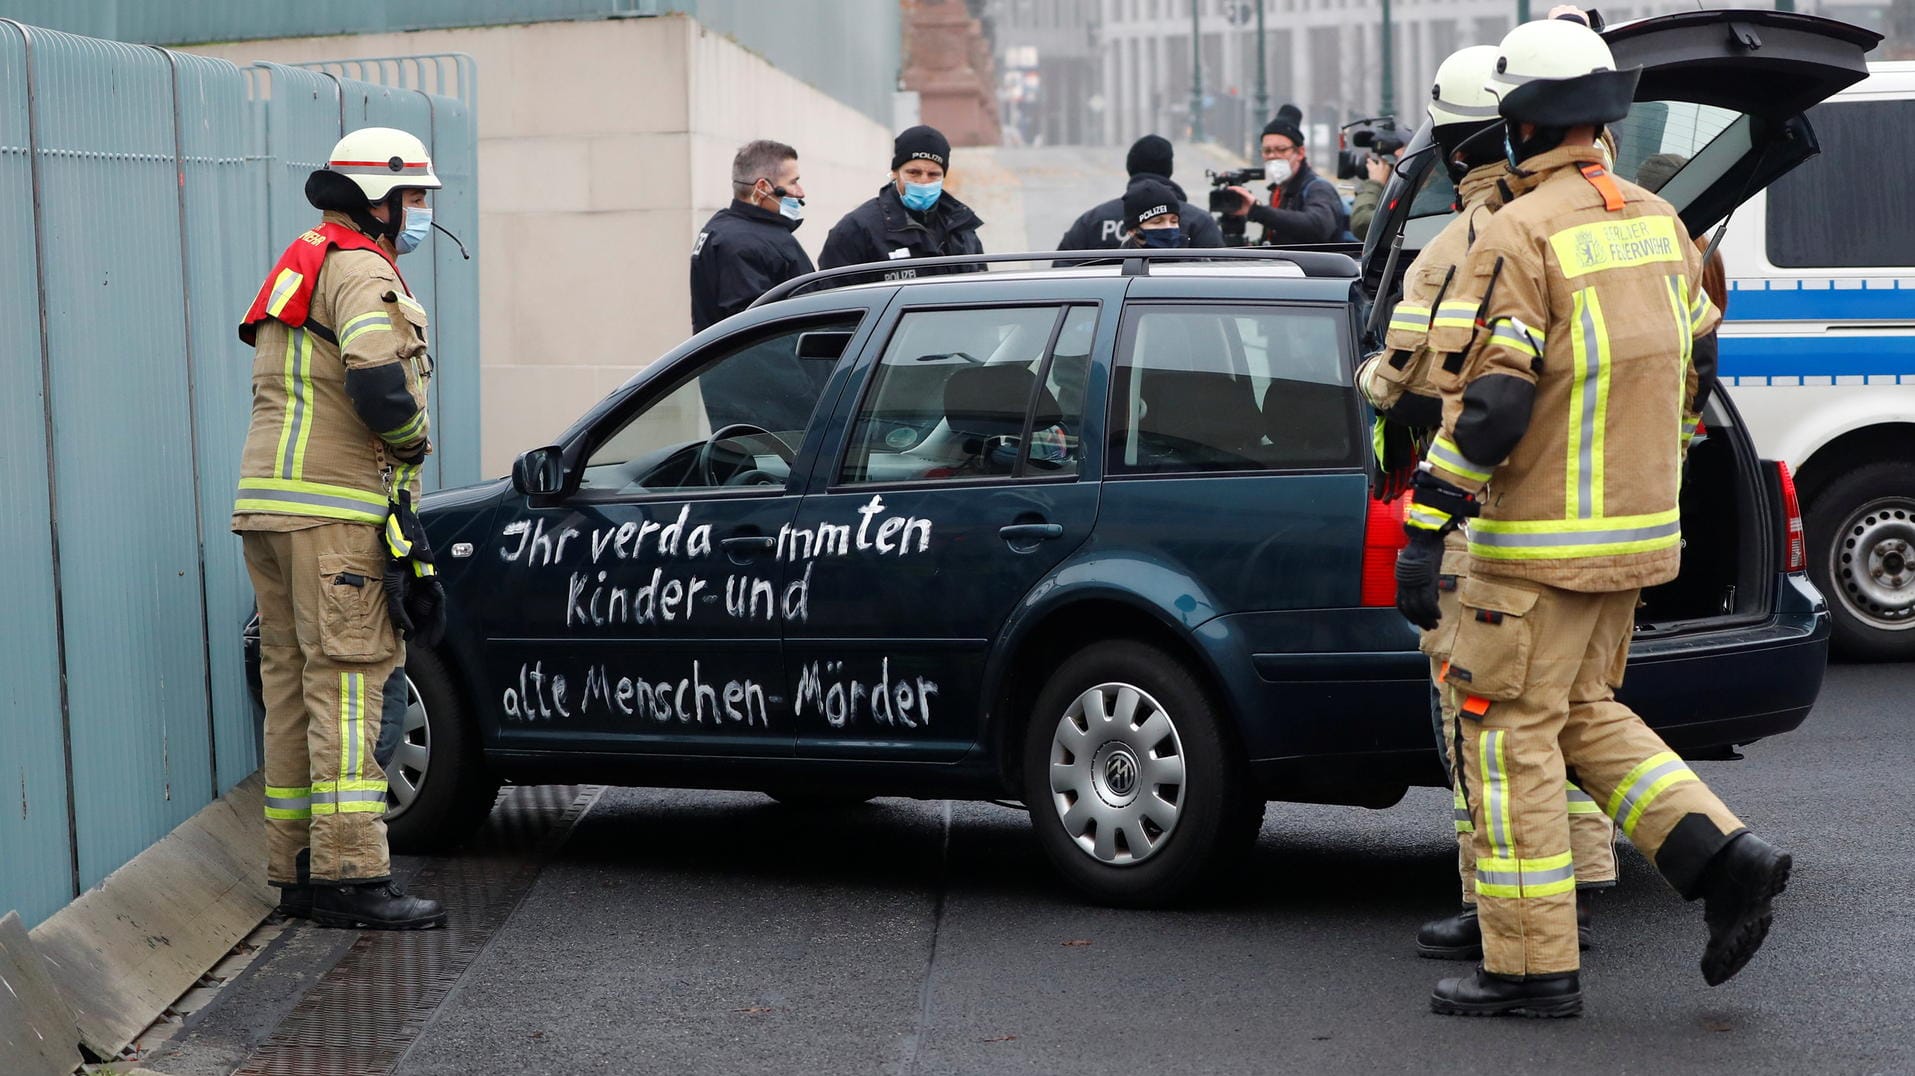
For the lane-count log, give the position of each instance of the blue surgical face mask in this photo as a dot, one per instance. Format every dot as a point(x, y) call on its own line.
point(1162, 237)
point(792, 209)
point(418, 227)
point(922, 196)
point(1509, 150)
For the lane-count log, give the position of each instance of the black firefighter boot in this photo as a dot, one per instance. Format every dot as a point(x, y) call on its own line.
point(1484, 993)
point(374, 906)
point(1460, 936)
point(1738, 888)
point(296, 898)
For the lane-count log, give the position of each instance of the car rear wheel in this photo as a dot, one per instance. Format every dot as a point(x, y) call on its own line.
point(1861, 532)
point(1135, 791)
point(440, 789)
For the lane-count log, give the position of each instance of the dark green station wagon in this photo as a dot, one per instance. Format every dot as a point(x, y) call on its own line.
point(1096, 539)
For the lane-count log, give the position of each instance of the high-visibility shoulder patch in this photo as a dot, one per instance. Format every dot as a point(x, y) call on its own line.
point(1605, 185)
point(1616, 244)
point(284, 286)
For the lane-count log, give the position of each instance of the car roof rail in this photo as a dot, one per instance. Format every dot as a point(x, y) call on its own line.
point(1136, 262)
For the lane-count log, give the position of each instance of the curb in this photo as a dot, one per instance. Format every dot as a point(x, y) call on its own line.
point(103, 968)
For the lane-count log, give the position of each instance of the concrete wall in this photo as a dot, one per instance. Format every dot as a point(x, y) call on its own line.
point(603, 147)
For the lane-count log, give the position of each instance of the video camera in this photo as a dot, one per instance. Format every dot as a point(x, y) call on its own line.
point(1223, 203)
point(1377, 136)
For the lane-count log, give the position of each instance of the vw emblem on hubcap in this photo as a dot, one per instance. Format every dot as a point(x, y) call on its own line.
point(1120, 772)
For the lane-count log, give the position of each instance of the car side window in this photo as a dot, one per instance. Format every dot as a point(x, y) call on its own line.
point(977, 393)
point(734, 419)
point(1231, 389)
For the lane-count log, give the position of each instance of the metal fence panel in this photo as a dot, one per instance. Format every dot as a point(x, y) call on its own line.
point(220, 195)
point(245, 20)
point(123, 464)
point(143, 195)
point(36, 869)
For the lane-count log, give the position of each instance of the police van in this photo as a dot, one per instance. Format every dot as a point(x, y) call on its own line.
point(1818, 350)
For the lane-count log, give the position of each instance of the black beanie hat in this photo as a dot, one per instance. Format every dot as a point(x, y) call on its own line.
point(1147, 199)
point(1151, 155)
point(1285, 125)
point(921, 142)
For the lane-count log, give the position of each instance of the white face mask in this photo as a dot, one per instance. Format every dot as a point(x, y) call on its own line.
point(1277, 170)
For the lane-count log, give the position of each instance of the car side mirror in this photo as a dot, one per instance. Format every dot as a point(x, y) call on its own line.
point(540, 472)
point(823, 344)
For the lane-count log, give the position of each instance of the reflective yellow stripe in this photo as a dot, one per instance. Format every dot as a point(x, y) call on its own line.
point(1520, 338)
point(1588, 408)
point(361, 325)
point(1580, 802)
point(1557, 539)
point(281, 496)
point(346, 739)
point(1517, 878)
point(1445, 454)
point(1495, 792)
point(288, 803)
point(1460, 810)
point(1410, 318)
point(1426, 518)
point(1456, 314)
point(409, 303)
point(407, 432)
point(284, 285)
point(305, 431)
point(1636, 791)
point(1617, 244)
point(396, 540)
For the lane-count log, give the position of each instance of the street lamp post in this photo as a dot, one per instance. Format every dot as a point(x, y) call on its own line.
point(1263, 84)
point(1522, 12)
point(1196, 75)
point(1389, 65)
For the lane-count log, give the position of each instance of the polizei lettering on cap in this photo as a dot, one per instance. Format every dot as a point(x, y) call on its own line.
point(926, 155)
point(1153, 211)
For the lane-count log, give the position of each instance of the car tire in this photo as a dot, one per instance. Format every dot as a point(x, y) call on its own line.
point(1122, 823)
point(456, 790)
point(1861, 535)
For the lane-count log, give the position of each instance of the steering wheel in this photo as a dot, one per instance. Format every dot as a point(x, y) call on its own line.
point(707, 452)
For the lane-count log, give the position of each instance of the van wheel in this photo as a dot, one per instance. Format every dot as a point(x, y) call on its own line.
point(1135, 791)
point(440, 771)
point(1861, 533)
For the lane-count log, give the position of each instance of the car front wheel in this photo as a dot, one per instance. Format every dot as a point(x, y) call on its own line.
point(440, 790)
point(1861, 532)
point(1134, 789)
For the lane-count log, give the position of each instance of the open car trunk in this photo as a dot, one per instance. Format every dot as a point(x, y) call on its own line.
point(1729, 536)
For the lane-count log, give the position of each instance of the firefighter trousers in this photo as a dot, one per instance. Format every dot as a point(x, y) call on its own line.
point(327, 647)
point(1533, 674)
point(1592, 836)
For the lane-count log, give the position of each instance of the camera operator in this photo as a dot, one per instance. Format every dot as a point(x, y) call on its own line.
point(1377, 168)
point(1304, 207)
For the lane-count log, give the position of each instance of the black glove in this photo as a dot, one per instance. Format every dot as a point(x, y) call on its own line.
point(415, 455)
point(426, 610)
point(394, 584)
point(1417, 567)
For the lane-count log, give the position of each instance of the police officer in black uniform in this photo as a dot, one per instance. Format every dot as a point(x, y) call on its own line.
point(747, 248)
point(913, 216)
point(1101, 226)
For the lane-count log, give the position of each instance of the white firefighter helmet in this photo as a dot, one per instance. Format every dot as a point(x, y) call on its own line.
point(1559, 73)
point(380, 160)
point(1461, 94)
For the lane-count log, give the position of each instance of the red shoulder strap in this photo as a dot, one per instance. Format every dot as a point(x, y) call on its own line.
point(287, 293)
point(1605, 184)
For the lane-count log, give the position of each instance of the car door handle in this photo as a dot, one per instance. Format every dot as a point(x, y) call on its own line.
point(746, 546)
point(1031, 532)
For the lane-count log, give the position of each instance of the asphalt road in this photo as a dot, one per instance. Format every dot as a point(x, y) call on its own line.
point(723, 933)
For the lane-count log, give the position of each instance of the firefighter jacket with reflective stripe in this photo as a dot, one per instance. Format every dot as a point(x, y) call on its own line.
point(1403, 366)
point(1567, 380)
point(336, 399)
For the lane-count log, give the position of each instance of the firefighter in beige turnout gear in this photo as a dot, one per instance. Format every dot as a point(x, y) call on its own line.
point(1579, 349)
point(1396, 382)
point(339, 425)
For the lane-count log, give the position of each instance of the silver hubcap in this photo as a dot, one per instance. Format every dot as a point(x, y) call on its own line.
point(1873, 564)
point(407, 774)
point(1117, 774)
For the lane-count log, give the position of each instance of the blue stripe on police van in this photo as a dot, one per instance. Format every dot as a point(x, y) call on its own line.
point(1744, 358)
point(1822, 302)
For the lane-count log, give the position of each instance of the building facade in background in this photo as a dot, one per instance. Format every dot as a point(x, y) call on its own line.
point(1103, 72)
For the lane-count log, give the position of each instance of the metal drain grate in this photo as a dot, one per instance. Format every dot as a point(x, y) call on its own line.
point(365, 1012)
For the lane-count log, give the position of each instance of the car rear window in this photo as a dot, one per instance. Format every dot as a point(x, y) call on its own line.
point(1238, 388)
